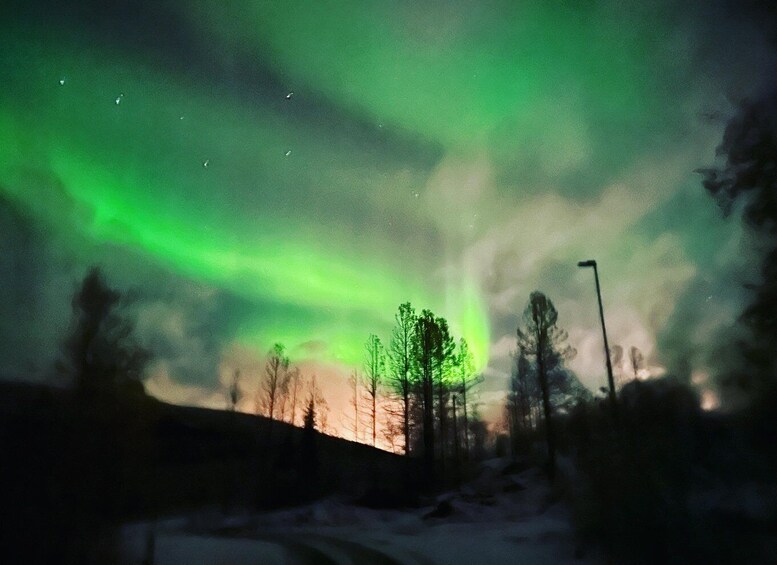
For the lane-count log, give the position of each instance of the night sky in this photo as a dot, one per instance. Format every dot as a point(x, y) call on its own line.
point(292, 171)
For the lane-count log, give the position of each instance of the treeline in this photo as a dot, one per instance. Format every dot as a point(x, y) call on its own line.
point(416, 392)
point(284, 394)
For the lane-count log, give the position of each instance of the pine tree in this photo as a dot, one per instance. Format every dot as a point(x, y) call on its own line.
point(401, 375)
point(101, 354)
point(542, 341)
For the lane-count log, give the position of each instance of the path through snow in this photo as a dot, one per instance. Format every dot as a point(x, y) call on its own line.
point(501, 517)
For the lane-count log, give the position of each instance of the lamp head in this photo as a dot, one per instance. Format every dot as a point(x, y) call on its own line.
point(588, 263)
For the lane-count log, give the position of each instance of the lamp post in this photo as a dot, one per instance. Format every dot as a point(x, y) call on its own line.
point(610, 381)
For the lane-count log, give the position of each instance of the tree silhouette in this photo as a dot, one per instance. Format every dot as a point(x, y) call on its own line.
point(374, 370)
point(393, 428)
point(444, 361)
point(100, 353)
point(466, 376)
point(401, 363)
point(354, 383)
point(425, 346)
point(308, 452)
point(293, 390)
point(523, 395)
point(270, 387)
point(542, 341)
point(99, 437)
point(234, 391)
point(309, 418)
point(749, 176)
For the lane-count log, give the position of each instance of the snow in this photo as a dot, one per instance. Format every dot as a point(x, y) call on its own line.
point(193, 550)
point(497, 518)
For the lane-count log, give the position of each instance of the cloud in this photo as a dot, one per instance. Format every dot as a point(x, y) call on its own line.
point(38, 280)
point(163, 386)
point(521, 150)
point(180, 332)
point(649, 259)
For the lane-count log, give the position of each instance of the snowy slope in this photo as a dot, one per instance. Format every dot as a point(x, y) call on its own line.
point(498, 518)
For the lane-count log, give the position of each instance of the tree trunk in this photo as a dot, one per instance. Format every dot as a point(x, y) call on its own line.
point(456, 458)
point(428, 427)
point(551, 470)
point(466, 423)
point(406, 400)
point(374, 415)
point(443, 426)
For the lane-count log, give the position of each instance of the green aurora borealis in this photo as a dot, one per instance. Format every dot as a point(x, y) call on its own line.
point(323, 162)
point(203, 186)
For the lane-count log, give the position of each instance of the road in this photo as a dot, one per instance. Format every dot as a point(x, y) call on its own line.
point(289, 549)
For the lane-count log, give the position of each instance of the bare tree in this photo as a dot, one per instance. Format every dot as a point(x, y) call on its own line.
point(392, 428)
point(294, 392)
point(401, 363)
point(309, 417)
point(374, 371)
point(354, 383)
point(272, 382)
point(542, 341)
point(282, 397)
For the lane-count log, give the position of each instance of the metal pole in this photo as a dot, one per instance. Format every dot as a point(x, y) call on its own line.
point(610, 380)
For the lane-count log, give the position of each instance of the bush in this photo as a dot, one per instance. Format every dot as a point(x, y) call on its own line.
point(636, 472)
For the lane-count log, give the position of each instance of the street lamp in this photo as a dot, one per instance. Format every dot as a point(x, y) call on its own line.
point(610, 381)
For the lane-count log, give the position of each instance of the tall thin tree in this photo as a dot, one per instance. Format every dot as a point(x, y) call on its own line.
point(294, 391)
point(275, 368)
point(444, 361)
point(543, 341)
point(354, 382)
point(401, 363)
point(523, 395)
point(425, 347)
point(466, 375)
point(374, 371)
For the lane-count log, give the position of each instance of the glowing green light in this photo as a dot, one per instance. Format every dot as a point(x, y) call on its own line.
point(79, 162)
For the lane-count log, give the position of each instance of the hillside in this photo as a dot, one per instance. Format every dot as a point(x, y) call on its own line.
point(72, 467)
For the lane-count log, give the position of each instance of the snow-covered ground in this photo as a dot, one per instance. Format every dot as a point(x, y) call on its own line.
point(498, 518)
